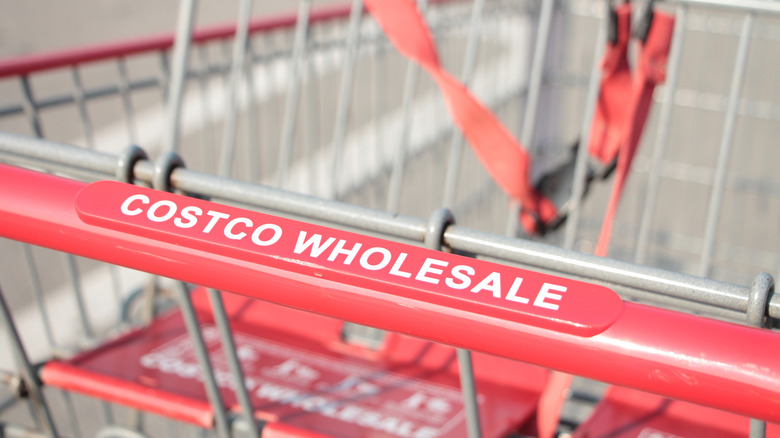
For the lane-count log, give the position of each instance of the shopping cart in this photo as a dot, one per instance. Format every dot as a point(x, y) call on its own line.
point(314, 224)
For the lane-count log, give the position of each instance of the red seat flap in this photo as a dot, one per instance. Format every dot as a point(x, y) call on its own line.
point(302, 377)
point(628, 413)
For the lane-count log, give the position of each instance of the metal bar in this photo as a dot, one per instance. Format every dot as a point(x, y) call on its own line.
point(716, 195)
point(456, 144)
point(124, 91)
point(345, 96)
point(763, 286)
point(19, 147)
point(78, 96)
point(13, 431)
point(291, 106)
point(664, 121)
point(30, 107)
point(437, 224)
point(312, 123)
point(399, 154)
point(528, 128)
point(222, 427)
point(165, 76)
point(181, 46)
point(581, 163)
point(229, 347)
point(208, 121)
point(379, 96)
point(469, 389)
point(37, 400)
point(252, 141)
point(89, 94)
point(624, 277)
point(39, 209)
point(749, 6)
point(39, 404)
point(70, 408)
point(136, 420)
point(225, 165)
point(40, 300)
point(231, 104)
point(78, 295)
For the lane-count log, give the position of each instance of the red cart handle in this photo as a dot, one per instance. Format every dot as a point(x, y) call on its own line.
point(704, 361)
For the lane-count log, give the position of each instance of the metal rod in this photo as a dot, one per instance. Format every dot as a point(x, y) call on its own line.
point(181, 46)
point(222, 427)
point(622, 276)
point(70, 408)
point(124, 91)
point(756, 315)
point(379, 99)
point(407, 109)
point(164, 80)
point(39, 404)
point(40, 299)
point(345, 96)
point(469, 389)
point(78, 295)
point(30, 107)
point(763, 6)
point(229, 347)
point(209, 134)
point(528, 128)
point(226, 160)
point(252, 142)
point(664, 120)
point(78, 96)
point(45, 152)
point(311, 113)
point(437, 224)
point(291, 107)
point(456, 144)
point(716, 195)
point(231, 104)
point(581, 159)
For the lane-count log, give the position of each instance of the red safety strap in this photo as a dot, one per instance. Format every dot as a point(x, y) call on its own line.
point(650, 71)
point(617, 126)
point(551, 403)
point(609, 118)
point(606, 132)
point(501, 154)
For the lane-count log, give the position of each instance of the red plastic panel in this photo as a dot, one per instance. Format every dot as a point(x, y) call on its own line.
point(109, 386)
point(628, 413)
point(478, 287)
point(301, 381)
point(281, 430)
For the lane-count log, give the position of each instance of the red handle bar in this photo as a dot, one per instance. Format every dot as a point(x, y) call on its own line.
point(709, 362)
